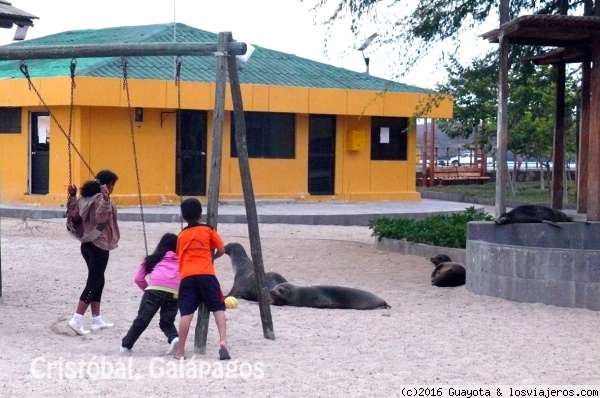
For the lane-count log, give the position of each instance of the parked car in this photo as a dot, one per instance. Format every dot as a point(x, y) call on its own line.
point(467, 158)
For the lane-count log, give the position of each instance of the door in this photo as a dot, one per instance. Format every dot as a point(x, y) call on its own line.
point(191, 154)
point(321, 154)
point(39, 123)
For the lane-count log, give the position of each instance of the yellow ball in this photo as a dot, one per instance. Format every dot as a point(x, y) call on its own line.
point(231, 302)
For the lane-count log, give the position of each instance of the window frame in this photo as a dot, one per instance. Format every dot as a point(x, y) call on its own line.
point(264, 128)
point(10, 120)
point(397, 148)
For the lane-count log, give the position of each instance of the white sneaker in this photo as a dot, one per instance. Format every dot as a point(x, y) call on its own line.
point(125, 351)
point(77, 327)
point(173, 347)
point(99, 324)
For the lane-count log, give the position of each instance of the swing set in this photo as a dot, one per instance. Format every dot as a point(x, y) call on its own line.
point(226, 51)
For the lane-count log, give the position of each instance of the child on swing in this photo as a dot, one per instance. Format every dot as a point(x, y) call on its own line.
point(161, 268)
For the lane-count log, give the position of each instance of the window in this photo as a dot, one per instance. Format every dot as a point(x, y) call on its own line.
point(388, 138)
point(10, 120)
point(268, 135)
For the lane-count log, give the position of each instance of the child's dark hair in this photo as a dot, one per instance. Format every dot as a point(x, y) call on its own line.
point(92, 187)
point(167, 243)
point(191, 210)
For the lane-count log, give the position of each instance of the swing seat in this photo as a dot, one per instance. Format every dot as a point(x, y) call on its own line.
point(76, 230)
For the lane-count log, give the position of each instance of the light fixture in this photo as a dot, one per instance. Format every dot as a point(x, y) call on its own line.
point(249, 50)
point(364, 47)
point(21, 32)
point(139, 114)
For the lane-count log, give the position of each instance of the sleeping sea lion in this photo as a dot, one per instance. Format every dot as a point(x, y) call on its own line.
point(533, 213)
point(334, 297)
point(447, 273)
point(244, 282)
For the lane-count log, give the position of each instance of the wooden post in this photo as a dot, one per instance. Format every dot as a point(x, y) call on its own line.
point(558, 153)
point(253, 232)
point(502, 132)
point(502, 122)
point(425, 171)
point(117, 50)
point(433, 158)
point(584, 140)
point(212, 212)
point(593, 203)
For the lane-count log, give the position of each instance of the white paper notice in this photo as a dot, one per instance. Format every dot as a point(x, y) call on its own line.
point(384, 135)
point(42, 134)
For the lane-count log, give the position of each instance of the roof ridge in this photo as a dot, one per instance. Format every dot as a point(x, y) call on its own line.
point(98, 63)
point(267, 66)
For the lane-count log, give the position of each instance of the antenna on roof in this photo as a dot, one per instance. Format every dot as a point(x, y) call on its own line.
point(174, 38)
point(174, 22)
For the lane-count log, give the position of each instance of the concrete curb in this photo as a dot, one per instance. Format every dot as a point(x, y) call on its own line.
point(480, 201)
point(420, 249)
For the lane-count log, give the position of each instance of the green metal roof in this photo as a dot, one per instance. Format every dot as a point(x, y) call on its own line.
point(267, 67)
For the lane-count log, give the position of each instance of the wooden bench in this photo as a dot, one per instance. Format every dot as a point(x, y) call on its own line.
point(458, 175)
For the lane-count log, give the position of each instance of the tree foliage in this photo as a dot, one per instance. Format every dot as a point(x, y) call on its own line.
point(410, 27)
point(531, 115)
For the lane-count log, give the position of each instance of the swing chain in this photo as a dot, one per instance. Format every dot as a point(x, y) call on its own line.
point(177, 118)
point(73, 65)
point(25, 71)
point(137, 173)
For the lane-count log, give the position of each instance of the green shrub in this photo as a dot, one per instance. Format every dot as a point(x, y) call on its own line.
point(445, 230)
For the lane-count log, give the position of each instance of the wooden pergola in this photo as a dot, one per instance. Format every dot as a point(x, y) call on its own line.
point(577, 39)
point(10, 16)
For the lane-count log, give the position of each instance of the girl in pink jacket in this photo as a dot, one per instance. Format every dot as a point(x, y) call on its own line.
point(158, 277)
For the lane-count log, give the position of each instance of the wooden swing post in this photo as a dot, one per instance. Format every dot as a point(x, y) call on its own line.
point(212, 211)
point(227, 63)
point(251, 215)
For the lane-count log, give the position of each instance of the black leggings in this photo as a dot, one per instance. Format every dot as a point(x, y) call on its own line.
point(96, 260)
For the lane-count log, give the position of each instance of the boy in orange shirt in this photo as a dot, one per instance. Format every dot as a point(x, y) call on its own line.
point(196, 245)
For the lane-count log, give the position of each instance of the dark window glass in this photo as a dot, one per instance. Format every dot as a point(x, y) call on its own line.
point(268, 135)
point(10, 120)
point(389, 138)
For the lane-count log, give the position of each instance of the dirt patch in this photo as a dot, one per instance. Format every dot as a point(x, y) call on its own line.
point(430, 336)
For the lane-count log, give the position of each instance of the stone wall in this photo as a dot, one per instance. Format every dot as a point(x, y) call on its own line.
point(558, 265)
point(420, 249)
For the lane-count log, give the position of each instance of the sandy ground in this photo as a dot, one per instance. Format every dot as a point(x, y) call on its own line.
point(430, 336)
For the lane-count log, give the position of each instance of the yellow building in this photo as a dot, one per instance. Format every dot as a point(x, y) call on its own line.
point(314, 131)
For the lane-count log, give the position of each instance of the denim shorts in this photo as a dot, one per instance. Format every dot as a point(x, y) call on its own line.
point(197, 289)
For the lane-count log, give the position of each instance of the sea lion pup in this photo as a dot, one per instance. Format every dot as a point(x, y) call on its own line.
point(447, 273)
point(333, 297)
point(244, 282)
point(533, 213)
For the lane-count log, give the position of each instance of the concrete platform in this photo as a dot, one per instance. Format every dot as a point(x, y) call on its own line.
point(270, 212)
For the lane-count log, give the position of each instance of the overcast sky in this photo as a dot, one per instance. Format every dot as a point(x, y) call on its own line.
point(283, 25)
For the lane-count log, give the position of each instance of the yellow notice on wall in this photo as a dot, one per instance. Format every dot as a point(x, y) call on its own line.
point(356, 140)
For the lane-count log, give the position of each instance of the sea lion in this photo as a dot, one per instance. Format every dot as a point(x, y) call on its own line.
point(244, 282)
point(533, 213)
point(334, 297)
point(446, 272)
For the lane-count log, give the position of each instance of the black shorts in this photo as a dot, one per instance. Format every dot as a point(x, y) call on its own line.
point(197, 289)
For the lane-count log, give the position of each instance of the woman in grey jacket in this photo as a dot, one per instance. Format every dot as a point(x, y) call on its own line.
point(94, 208)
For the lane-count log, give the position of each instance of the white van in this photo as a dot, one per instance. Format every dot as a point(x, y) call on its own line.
point(467, 158)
